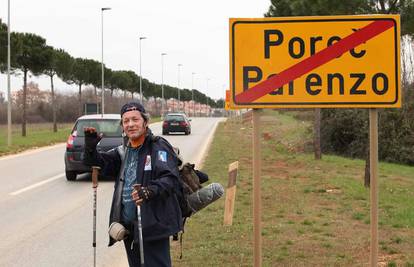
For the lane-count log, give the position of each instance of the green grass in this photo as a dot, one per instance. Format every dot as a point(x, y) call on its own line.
point(314, 213)
point(38, 135)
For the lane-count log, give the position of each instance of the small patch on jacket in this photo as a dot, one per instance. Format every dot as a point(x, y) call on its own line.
point(162, 155)
point(147, 166)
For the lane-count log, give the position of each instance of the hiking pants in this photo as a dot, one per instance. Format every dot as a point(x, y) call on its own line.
point(156, 253)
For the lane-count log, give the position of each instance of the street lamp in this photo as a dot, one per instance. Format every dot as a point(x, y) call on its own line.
point(9, 132)
point(179, 66)
point(162, 83)
point(102, 65)
point(192, 89)
point(206, 95)
point(140, 76)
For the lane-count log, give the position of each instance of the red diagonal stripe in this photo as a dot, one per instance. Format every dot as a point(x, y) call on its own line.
point(312, 62)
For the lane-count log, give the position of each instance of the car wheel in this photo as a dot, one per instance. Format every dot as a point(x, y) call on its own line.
point(186, 132)
point(70, 175)
point(164, 133)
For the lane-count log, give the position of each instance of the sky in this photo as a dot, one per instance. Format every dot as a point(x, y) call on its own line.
point(193, 33)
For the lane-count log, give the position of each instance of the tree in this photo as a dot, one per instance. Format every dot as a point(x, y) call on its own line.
point(95, 74)
point(31, 55)
point(120, 80)
point(58, 63)
point(3, 45)
point(80, 76)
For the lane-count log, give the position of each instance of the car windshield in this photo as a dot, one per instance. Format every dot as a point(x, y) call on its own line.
point(174, 118)
point(110, 128)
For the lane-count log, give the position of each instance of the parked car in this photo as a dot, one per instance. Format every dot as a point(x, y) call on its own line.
point(108, 124)
point(176, 122)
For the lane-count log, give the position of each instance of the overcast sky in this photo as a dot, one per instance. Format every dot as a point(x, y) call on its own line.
point(193, 33)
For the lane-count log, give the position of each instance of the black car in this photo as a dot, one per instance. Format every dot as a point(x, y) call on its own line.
point(176, 122)
point(108, 125)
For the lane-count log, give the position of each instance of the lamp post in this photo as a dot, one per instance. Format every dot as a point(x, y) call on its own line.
point(102, 65)
point(140, 76)
point(179, 66)
point(206, 94)
point(162, 83)
point(192, 89)
point(9, 132)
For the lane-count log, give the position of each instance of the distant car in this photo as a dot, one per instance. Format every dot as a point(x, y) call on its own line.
point(176, 122)
point(108, 124)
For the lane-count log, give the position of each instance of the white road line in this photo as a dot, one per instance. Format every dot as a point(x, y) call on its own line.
point(15, 193)
point(199, 161)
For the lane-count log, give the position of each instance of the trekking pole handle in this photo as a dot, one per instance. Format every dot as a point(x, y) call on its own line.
point(95, 173)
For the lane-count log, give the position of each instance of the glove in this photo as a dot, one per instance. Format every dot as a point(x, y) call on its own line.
point(91, 139)
point(143, 193)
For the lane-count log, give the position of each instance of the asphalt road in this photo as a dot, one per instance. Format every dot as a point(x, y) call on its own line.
point(47, 221)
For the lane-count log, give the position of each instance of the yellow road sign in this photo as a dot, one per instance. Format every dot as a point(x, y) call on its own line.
point(333, 61)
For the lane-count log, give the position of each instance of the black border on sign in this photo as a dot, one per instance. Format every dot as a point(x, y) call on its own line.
point(312, 103)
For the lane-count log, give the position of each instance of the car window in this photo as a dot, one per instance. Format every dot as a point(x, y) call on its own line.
point(110, 128)
point(175, 118)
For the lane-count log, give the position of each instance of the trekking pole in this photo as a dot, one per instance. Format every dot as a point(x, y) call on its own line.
point(141, 243)
point(95, 172)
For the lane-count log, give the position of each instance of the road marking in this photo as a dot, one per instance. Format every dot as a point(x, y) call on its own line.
point(330, 53)
point(200, 157)
point(15, 193)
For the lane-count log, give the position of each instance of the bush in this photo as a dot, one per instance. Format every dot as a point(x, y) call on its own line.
point(345, 132)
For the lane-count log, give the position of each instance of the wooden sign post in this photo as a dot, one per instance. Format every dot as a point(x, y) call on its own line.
point(373, 158)
point(257, 205)
point(230, 194)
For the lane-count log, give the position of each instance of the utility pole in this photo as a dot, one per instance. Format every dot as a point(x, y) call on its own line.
point(140, 76)
point(102, 64)
point(9, 100)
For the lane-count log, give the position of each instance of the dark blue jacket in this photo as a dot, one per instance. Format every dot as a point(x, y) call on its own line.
point(161, 215)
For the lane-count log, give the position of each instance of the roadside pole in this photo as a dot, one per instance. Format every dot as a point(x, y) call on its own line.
point(95, 173)
point(230, 194)
point(257, 206)
point(373, 158)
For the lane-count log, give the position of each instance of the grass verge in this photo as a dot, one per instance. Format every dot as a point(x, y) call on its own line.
point(38, 135)
point(314, 213)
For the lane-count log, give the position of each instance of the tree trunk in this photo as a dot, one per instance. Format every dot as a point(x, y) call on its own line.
point(53, 104)
point(96, 93)
point(24, 102)
point(80, 99)
point(317, 134)
point(132, 95)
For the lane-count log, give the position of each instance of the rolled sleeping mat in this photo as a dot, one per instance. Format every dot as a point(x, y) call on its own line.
point(205, 196)
point(117, 231)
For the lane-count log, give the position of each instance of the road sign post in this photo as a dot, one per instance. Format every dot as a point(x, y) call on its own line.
point(315, 62)
point(257, 203)
point(373, 158)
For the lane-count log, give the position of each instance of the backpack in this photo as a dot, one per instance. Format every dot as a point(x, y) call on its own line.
point(191, 195)
point(189, 183)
